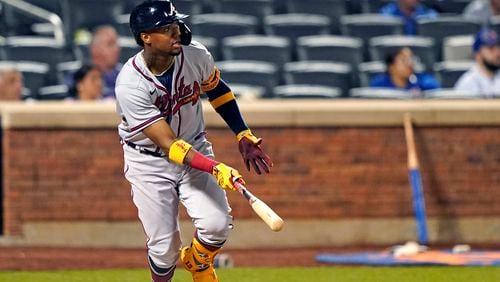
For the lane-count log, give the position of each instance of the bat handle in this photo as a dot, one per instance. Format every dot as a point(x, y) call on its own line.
point(243, 190)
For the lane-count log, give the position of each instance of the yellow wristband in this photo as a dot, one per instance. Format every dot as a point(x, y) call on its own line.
point(248, 134)
point(178, 151)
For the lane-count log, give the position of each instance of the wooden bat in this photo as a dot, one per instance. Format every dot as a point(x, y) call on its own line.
point(272, 219)
point(415, 179)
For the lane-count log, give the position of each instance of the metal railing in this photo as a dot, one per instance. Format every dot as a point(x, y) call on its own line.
point(40, 13)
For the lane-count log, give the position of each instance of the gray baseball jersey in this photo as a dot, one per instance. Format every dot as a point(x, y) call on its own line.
point(158, 185)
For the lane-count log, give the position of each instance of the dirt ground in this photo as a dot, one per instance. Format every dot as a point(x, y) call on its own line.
point(40, 258)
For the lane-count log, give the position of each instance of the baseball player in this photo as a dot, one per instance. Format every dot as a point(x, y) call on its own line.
point(168, 159)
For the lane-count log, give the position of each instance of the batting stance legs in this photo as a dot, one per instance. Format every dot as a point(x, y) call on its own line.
point(157, 194)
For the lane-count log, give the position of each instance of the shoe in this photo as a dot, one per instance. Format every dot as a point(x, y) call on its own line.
point(199, 261)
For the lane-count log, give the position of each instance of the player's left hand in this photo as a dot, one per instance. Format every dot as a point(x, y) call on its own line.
point(252, 153)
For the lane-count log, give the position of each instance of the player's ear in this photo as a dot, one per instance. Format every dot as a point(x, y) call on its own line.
point(146, 38)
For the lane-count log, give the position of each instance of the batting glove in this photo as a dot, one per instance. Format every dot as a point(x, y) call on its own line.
point(227, 176)
point(252, 153)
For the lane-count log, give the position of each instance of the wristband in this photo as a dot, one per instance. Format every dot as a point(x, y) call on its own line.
point(247, 133)
point(178, 151)
point(200, 162)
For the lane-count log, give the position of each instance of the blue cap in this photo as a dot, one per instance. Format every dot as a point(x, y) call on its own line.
point(486, 37)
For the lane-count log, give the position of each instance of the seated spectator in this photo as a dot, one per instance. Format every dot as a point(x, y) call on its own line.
point(481, 11)
point(88, 84)
point(105, 55)
point(11, 84)
point(400, 74)
point(484, 77)
point(410, 11)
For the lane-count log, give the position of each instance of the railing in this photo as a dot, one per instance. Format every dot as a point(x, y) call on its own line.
point(40, 13)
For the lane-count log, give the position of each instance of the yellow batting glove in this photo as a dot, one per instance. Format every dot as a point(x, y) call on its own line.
point(226, 176)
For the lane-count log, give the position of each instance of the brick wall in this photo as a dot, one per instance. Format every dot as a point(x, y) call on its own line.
point(358, 172)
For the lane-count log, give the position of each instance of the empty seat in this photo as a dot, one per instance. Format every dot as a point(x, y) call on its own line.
point(449, 72)
point(88, 14)
point(34, 73)
point(458, 47)
point(451, 94)
point(305, 91)
point(318, 73)
point(250, 72)
point(442, 27)
point(128, 48)
point(247, 92)
point(379, 93)
point(333, 9)
point(36, 49)
point(53, 92)
point(422, 48)
point(219, 26)
point(272, 49)
point(256, 8)
point(293, 26)
point(448, 6)
point(366, 26)
point(373, 6)
point(211, 44)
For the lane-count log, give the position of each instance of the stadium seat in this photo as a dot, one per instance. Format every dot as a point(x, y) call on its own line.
point(36, 49)
point(250, 72)
point(34, 74)
point(211, 44)
point(53, 92)
point(447, 6)
point(65, 71)
point(247, 92)
point(293, 26)
point(458, 48)
point(319, 73)
point(219, 26)
point(306, 91)
point(272, 49)
point(495, 23)
point(379, 93)
point(451, 94)
point(88, 14)
point(449, 72)
point(2, 48)
point(256, 8)
point(442, 27)
point(373, 6)
point(333, 9)
point(422, 48)
point(128, 48)
point(366, 26)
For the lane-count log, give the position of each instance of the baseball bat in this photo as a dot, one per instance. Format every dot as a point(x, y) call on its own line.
point(272, 219)
point(415, 179)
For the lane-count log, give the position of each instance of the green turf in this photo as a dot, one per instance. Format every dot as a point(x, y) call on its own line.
point(316, 274)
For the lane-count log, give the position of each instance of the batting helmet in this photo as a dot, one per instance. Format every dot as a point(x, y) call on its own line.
point(152, 14)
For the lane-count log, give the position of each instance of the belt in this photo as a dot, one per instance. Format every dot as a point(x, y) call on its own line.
point(142, 150)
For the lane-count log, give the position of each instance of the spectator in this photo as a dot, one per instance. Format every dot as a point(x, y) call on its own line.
point(410, 11)
point(105, 55)
point(88, 84)
point(484, 77)
point(400, 74)
point(481, 11)
point(11, 84)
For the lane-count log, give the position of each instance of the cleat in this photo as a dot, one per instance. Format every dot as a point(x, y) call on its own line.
point(199, 261)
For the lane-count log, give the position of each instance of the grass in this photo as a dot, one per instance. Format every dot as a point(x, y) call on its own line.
point(315, 274)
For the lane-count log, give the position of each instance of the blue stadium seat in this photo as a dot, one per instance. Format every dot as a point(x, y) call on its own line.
point(449, 72)
point(458, 48)
point(319, 73)
point(272, 49)
point(250, 72)
point(333, 9)
point(219, 26)
point(422, 47)
point(256, 8)
point(306, 91)
point(212, 45)
point(379, 93)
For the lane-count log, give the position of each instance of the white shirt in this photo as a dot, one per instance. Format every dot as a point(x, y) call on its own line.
point(142, 100)
point(478, 11)
point(475, 82)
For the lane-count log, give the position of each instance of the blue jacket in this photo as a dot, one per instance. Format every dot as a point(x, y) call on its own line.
point(410, 28)
point(424, 81)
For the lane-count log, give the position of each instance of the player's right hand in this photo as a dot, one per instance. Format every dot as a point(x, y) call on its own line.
point(227, 176)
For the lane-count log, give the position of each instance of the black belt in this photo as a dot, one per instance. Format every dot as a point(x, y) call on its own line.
point(144, 151)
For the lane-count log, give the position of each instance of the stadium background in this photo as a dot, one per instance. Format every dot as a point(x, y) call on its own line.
point(340, 178)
